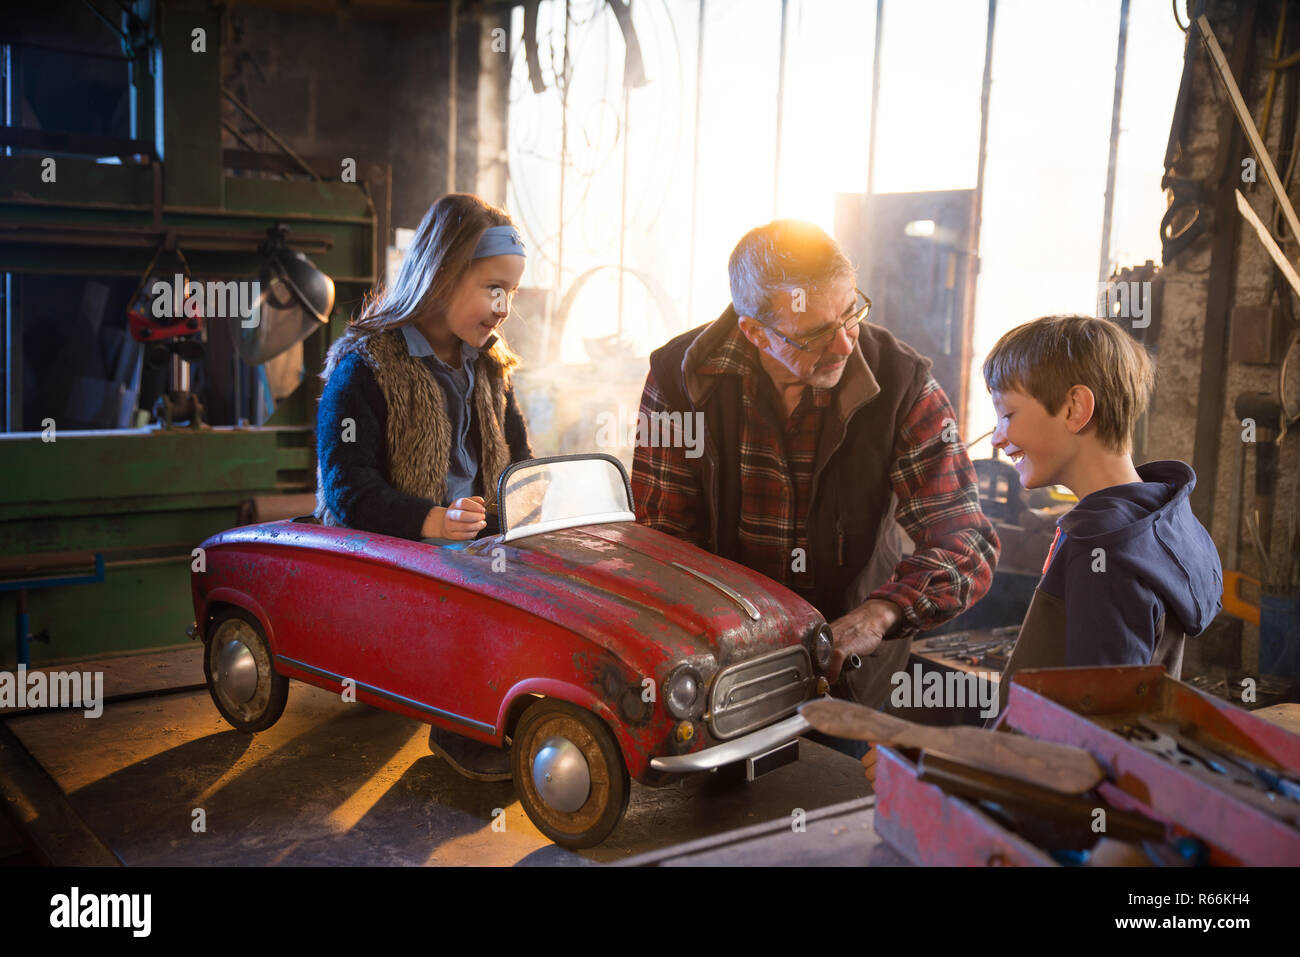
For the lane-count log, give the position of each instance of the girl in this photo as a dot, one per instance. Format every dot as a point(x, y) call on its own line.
point(417, 418)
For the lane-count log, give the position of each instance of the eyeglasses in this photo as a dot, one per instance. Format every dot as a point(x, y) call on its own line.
point(819, 340)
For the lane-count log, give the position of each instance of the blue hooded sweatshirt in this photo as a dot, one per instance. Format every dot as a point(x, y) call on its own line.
point(1130, 574)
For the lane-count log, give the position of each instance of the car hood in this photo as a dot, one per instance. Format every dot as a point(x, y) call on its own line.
point(626, 574)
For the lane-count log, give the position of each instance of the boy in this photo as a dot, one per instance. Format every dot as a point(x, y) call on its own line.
point(1131, 571)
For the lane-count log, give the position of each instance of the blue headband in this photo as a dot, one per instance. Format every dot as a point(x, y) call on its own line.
point(499, 241)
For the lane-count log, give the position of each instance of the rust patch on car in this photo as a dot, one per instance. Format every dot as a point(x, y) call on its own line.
point(615, 684)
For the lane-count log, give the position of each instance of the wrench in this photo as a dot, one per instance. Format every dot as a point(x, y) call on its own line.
point(1239, 769)
point(1216, 761)
point(1165, 746)
point(1162, 744)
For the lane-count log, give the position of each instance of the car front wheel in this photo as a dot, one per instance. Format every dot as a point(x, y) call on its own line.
point(569, 773)
point(244, 684)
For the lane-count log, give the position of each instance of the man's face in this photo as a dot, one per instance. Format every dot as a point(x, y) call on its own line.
point(1037, 442)
point(822, 365)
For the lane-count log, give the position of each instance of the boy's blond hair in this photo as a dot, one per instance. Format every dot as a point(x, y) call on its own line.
point(1048, 356)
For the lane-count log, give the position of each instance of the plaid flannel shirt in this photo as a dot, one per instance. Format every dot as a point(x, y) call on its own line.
point(956, 547)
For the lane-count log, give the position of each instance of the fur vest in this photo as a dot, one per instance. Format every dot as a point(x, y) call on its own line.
point(419, 431)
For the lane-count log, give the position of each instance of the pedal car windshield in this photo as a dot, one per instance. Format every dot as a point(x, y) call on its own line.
point(564, 491)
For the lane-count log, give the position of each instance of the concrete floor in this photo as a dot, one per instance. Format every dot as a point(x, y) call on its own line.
point(338, 783)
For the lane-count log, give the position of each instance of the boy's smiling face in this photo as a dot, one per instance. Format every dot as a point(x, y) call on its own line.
point(1039, 444)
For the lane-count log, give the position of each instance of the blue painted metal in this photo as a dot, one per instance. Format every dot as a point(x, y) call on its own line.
point(21, 585)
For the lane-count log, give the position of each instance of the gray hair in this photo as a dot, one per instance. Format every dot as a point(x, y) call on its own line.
point(784, 255)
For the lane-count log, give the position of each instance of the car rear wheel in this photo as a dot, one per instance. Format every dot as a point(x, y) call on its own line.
point(569, 773)
point(244, 684)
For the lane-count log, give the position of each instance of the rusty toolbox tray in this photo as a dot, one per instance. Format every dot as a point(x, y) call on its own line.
point(1094, 708)
point(934, 809)
point(929, 826)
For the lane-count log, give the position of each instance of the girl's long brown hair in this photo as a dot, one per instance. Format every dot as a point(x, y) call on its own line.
point(436, 261)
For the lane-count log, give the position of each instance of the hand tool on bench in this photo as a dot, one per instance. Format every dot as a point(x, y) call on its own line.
point(1166, 747)
point(990, 651)
point(1056, 766)
point(1238, 769)
point(1281, 783)
point(1180, 751)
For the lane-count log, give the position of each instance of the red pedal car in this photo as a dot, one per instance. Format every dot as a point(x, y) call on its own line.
point(597, 649)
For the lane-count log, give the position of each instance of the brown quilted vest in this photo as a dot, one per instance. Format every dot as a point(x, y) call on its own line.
point(419, 433)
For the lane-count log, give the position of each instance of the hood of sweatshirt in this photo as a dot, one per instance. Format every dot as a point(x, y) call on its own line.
point(1147, 529)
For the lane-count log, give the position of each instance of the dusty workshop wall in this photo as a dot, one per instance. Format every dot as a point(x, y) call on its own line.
point(1188, 353)
point(367, 82)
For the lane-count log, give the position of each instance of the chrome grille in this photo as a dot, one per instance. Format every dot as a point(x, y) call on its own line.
point(753, 693)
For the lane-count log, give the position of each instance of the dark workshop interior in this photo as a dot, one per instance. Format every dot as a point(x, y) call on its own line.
point(838, 433)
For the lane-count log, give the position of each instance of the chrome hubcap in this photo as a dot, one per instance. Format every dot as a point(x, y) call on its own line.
point(237, 671)
point(561, 775)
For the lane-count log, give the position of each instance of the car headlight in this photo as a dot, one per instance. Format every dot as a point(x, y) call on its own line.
point(823, 646)
point(682, 693)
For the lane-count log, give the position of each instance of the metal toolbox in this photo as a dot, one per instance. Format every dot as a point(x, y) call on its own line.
point(1095, 708)
point(928, 826)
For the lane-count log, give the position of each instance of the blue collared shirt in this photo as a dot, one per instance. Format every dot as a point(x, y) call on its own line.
point(458, 390)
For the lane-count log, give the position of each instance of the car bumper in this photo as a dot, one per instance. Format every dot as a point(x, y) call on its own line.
point(737, 749)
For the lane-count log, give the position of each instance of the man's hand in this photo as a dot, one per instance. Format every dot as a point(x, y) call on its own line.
point(860, 632)
point(460, 522)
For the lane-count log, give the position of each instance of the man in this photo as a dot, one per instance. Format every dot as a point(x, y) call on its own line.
point(823, 434)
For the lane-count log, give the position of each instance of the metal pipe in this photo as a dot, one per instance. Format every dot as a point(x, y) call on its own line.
point(1103, 268)
point(780, 109)
point(191, 211)
point(1286, 63)
point(452, 93)
point(562, 83)
point(985, 86)
point(977, 222)
point(695, 167)
point(180, 374)
point(196, 237)
point(875, 97)
point(622, 198)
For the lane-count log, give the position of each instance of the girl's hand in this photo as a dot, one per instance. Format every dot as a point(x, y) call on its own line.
point(459, 522)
